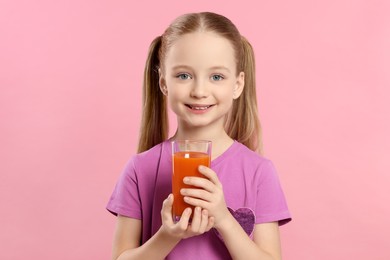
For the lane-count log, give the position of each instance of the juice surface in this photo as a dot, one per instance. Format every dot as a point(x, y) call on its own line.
point(185, 164)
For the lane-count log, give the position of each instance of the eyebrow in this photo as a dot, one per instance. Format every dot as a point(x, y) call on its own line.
point(190, 68)
point(220, 68)
point(181, 67)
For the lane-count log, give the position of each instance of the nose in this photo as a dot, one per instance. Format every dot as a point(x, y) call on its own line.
point(199, 89)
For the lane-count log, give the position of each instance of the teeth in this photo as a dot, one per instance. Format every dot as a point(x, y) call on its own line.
point(200, 108)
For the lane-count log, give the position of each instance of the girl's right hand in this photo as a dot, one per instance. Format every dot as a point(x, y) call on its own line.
point(201, 222)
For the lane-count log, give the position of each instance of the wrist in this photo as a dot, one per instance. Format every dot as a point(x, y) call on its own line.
point(167, 236)
point(225, 224)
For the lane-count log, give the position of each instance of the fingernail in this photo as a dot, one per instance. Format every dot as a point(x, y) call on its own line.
point(186, 179)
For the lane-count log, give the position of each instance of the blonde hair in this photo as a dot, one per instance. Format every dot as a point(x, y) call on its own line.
point(244, 128)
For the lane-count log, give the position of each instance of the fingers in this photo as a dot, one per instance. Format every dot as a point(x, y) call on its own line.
point(208, 183)
point(210, 224)
point(197, 202)
point(197, 193)
point(207, 222)
point(200, 183)
point(209, 174)
point(196, 220)
point(184, 219)
point(201, 222)
point(166, 211)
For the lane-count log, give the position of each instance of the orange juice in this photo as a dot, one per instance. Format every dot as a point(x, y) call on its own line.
point(185, 164)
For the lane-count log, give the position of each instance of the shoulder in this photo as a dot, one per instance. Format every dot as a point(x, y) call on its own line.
point(250, 163)
point(245, 155)
point(145, 161)
point(245, 163)
point(150, 154)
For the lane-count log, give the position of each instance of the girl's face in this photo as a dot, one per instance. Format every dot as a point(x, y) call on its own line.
point(200, 79)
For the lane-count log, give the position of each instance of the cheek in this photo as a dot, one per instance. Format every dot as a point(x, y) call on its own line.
point(175, 93)
point(174, 97)
point(226, 94)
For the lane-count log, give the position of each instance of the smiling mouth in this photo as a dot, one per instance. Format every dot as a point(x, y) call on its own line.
point(198, 107)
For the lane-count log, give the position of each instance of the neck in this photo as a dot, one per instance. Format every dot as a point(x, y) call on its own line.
point(219, 138)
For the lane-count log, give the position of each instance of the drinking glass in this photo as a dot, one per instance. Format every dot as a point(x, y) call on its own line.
point(187, 155)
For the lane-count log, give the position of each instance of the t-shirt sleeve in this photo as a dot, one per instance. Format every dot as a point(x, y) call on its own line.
point(125, 199)
point(271, 203)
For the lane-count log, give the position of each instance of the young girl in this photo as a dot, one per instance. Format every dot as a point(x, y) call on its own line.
point(204, 69)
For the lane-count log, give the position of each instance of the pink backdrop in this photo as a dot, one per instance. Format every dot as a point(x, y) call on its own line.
point(70, 76)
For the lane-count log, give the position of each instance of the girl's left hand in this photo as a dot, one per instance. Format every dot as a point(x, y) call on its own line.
point(207, 194)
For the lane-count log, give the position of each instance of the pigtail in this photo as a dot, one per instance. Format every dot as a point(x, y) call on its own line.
point(246, 127)
point(154, 122)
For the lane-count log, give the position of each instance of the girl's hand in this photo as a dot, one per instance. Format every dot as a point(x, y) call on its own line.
point(201, 222)
point(207, 195)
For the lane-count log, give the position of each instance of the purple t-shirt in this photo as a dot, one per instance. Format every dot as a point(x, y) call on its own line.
point(249, 182)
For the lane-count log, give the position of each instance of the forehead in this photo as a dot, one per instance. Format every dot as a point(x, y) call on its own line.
point(201, 50)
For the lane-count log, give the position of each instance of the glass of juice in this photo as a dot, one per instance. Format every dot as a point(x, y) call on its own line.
point(187, 155)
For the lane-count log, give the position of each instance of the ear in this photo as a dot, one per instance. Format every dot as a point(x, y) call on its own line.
point(239, 87)
point(162, 84)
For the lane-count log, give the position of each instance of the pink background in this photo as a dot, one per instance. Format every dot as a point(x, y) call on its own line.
point(70, 77)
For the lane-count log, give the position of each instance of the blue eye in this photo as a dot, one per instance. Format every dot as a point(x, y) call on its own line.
point(216, 77)
point(183, 76)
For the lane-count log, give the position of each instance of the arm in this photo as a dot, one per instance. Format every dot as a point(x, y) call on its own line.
point(127, 246)
point(266, 244)
point(127, 242)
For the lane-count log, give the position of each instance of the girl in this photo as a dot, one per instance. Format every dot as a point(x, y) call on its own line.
point(204, 69)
